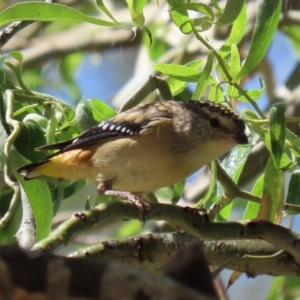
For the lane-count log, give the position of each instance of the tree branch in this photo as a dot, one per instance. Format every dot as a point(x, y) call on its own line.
point(151, 251)
point(186, 218)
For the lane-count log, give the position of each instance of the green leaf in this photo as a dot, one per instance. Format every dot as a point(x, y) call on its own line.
point(7, 233)
point(232, 10)
point(254, 94)
point(204, 78)
point(235, 161)
point(74, 188)
point(285, 161)
point(5, 83)
point(138, 5)
point(201, 8)
point(177, 191)
point(51, 130)
point(40, 200)
point(284, 288)
point(177, 86)
point(216, 93)
point(294, 141)
point(235, 63)
point(252, 208)
point(180, 16)
point(90, 112)
point(277, 133)
point(202, 23)
point(46, 12)
point(101, 111)
point(216, 6)
point(293, 196)
point(105, 10)
point(293, 32)
point(233, 165)
point(179, 72)
point(130, 228)
point(136, 10)
point(278, 284)
point(212, 184)
point(84, 115)
point(264, 30)
point(31, 136)
point(206, 20)
point(270, 208)
point(236, 34)
point(19, 57)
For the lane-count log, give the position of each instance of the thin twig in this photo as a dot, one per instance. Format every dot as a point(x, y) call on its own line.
point(9, 141)
point(8, 32)
point(229, 77)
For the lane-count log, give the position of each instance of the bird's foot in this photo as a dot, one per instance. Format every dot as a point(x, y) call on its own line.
point(137, 200)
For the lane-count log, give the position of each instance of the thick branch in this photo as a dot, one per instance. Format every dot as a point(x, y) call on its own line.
point(151, 251)
point(187, 219)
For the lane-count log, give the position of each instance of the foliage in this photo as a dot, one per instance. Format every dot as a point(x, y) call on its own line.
point(185, 49)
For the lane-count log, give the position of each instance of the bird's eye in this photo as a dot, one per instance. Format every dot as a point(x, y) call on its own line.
point(214, 122)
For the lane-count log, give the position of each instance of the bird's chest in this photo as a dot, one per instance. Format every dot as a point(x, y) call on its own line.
point(137, 165)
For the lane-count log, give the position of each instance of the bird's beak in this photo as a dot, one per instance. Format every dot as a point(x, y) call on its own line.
point(240, 138)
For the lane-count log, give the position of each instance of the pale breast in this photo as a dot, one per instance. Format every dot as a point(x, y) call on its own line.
point(139, 165)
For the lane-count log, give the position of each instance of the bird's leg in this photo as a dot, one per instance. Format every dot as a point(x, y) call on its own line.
point(106, 190)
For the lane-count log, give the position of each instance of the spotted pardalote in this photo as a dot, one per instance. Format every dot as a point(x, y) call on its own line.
point(145, 148)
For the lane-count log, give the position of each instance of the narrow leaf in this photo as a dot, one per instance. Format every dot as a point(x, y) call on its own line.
point(177, 86)
point(138, 5)
point(45, 12)
point(216, 93)
point(252, 208)
point(233, 165)
point(179, 72)
point(254, 94)
point(40, 200)
point(236, 34)
point(204, 78)
point(105, 10)
point(136, 10)
point(271, 203)
point(293, 196)
point(180, 16)
point(277, 133)
point(232, 10)
point(265, 27)
point(235, 62)
point(101, 111)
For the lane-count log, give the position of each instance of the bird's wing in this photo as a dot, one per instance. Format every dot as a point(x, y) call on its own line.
point(137, 121)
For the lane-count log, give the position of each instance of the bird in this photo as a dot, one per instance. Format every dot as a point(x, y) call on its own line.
point(144, 148)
